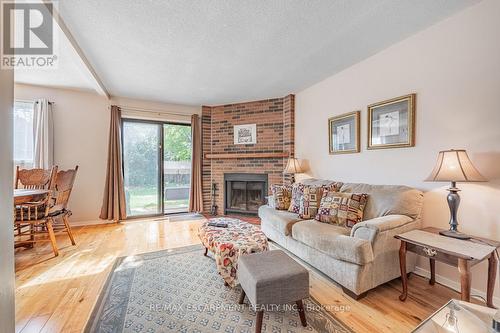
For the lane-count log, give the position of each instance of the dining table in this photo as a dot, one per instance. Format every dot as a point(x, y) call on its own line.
point(22, 196)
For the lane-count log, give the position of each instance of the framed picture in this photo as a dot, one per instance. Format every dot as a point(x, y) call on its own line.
point(391, 123)
point(343, 133)
point(245, 134)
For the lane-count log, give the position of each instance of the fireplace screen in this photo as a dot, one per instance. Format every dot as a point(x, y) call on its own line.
point(238, 195)
point(245, 193)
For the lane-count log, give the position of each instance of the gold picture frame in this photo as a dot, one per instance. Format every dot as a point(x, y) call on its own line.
point(391, 123)
point(348, 141)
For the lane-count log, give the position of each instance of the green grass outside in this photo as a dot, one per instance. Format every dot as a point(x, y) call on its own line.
point(144, 201)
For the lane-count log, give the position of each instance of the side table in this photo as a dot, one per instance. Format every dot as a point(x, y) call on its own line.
point(462, 254)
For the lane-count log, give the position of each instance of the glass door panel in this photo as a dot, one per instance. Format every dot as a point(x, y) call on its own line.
point(141, 160)
point(176, 167)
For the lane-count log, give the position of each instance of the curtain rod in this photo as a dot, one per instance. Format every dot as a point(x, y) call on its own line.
point(160, 112)
point(49, 102)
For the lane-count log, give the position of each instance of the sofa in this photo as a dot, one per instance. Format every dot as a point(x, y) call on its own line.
point(358, 258)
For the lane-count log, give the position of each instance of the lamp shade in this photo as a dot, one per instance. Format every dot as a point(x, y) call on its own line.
point(293, 166)
point(454, 166)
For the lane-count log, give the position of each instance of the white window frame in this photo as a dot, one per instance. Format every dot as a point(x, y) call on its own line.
point(22, 162)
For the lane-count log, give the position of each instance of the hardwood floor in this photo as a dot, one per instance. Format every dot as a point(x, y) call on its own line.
point(57, 294)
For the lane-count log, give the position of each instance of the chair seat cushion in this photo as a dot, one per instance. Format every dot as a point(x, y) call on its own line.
point(58, 212)
point(30, 214)
point(280, 220)
point(272, 277)
point(40, 213)
point(334, 241)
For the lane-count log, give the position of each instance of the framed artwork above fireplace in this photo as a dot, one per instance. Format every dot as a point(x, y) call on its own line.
point(245, 134)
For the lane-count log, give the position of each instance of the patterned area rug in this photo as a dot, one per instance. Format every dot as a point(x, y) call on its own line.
point(180, 291)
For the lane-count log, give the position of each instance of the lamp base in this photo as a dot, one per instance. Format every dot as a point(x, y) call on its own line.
point(454, 234)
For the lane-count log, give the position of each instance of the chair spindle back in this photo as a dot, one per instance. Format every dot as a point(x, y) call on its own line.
point(63, 187)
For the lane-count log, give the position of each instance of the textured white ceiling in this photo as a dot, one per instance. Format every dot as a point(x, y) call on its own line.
point(69, 72)
point(217, 52)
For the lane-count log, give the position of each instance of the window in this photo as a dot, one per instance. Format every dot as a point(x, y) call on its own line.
point(23, 133)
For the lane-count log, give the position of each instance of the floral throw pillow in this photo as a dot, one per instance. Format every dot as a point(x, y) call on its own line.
point(282, 195)
point(345, 209)
point(297, 190)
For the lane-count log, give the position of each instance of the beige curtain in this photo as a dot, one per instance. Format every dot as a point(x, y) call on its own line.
point(43, 134)
point(114, 204)
point(195, 196)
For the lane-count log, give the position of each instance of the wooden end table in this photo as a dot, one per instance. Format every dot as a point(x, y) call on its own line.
point(462, 254)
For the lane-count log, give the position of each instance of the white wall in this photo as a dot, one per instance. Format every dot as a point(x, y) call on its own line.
point(454, 67)
point(6, 232)
point(81, 126)
point(81, 123)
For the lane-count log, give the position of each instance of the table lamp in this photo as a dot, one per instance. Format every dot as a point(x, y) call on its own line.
point(293, 167)
point(454, 166)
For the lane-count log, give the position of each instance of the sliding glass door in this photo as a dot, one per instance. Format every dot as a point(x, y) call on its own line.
point(176, 167)
point(141, 161)
point(157, 167)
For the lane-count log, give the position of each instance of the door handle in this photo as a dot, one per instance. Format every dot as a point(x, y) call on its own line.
point(430, 252)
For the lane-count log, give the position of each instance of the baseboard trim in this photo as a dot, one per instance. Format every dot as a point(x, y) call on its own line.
point(91, 222)
point(451, 283)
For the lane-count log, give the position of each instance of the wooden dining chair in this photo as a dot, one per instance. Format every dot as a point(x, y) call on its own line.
point(63, 187)
point(35, 178)
point(32, 218)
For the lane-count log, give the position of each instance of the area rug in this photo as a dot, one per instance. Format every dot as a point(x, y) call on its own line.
point(180, 291)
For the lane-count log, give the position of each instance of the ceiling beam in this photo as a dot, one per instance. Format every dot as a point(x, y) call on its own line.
point(86, 65)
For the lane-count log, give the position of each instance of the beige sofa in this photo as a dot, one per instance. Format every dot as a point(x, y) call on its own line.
point(358, 258)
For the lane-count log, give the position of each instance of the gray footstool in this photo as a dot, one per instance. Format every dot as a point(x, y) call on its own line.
point(272, 278)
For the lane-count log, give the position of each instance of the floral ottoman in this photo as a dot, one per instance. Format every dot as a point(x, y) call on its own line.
point(227, 244)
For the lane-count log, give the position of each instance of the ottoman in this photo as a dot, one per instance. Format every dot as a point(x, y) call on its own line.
point(270, 279)
point(228, 244)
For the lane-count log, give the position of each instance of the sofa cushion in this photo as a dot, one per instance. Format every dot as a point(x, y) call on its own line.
point(280, 220)
point(344, 209)
point(371, 228)
point(333, 240)
point(282, 195)
point(388, 199)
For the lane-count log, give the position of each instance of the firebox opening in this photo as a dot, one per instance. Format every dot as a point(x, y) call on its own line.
point(244, 193)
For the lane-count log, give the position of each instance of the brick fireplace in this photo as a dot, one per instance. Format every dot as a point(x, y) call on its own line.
point(275, 142)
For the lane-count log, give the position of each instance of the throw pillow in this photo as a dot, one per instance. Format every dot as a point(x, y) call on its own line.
point(309, 202)
point(282, 195)
point(297, 190)
point(345, 209)
point(311, 198)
